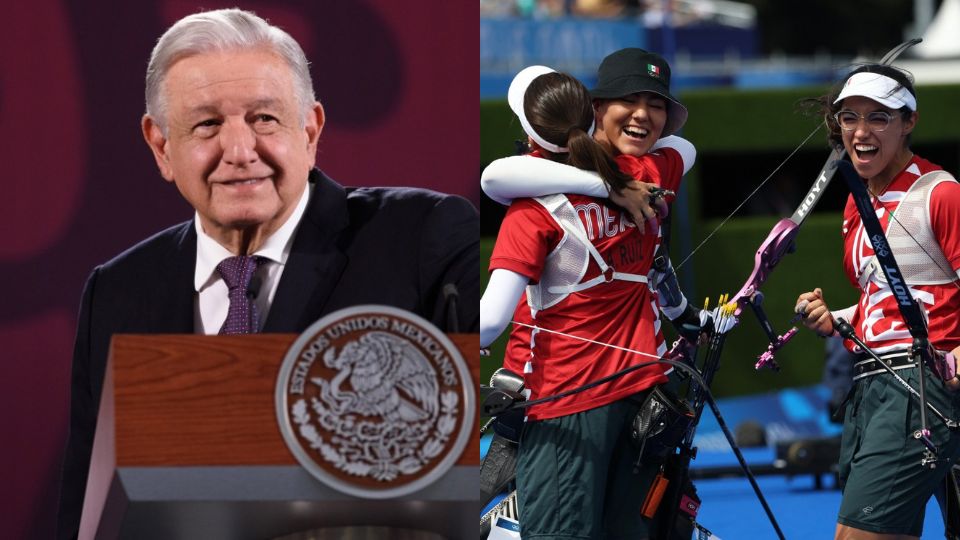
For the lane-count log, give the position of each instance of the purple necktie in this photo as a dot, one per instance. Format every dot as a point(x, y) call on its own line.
point(242, 317)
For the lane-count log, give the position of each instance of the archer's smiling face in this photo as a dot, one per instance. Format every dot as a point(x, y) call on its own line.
point(631, 124)
point(876, 153)
point(238, 144)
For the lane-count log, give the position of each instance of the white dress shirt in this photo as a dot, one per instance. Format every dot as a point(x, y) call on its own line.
point(212, 300)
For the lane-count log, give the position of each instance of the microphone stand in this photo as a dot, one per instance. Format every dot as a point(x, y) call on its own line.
point(450, 296)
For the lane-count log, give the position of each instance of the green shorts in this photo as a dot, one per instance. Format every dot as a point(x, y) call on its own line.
point(575, 476)
point(885, 489)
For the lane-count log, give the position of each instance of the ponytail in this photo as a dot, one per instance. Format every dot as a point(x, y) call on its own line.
point(559, 108)
point(587, 153)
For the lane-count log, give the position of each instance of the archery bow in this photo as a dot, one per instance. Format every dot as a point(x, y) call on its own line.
point(780, 240)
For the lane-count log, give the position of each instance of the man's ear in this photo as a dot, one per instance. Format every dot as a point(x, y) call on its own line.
point(313, 126)
point(157, 142)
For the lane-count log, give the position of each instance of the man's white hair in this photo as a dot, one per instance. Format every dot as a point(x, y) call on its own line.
point(223, 30)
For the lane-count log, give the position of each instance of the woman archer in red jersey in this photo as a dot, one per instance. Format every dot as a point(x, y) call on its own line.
point(584, 266)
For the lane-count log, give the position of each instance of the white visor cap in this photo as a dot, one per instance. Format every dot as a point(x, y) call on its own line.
point(879, 88)
point(515, 95)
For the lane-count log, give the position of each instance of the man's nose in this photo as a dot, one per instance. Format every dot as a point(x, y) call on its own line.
point(239, 144)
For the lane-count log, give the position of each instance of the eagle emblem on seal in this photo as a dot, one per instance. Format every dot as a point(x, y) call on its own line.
point(388, 376)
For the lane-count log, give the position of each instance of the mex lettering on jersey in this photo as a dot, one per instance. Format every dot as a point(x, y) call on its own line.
point(604, 224)
point(602, 221)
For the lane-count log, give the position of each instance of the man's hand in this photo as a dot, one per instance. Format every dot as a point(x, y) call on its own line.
point(814, 312)
point(644, 202)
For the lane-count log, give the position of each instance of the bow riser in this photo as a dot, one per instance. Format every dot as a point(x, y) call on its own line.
point(777, 244)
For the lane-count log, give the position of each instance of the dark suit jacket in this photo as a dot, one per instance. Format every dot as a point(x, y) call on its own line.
point(392, 246)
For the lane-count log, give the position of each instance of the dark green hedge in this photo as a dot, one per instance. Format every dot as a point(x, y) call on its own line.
point(740, 120)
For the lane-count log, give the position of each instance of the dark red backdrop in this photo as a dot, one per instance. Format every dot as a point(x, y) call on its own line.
point(399, 82)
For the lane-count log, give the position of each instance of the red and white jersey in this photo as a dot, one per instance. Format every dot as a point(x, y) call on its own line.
point(877, 319)
point(620, 313)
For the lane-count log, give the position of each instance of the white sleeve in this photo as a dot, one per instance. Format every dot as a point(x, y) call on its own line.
point(527, 176)
point(499, 302)
point(846, 313)
point(688, 153)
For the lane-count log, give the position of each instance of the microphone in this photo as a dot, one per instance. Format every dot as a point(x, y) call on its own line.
point(450, 296)
point(253, 290)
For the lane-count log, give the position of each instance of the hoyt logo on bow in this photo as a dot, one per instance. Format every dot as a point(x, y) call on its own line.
point(880, 246)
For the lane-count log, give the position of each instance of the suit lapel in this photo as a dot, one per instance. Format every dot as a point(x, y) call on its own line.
point(178, 273)
point(316, 261)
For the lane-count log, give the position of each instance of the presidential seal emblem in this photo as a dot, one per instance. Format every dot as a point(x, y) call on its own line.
point(375, 401)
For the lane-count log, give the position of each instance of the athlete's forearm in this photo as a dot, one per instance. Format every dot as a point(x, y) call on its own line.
point(526, 176)
point(498, 303)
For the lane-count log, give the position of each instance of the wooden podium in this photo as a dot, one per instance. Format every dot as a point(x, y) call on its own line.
point(187, 446)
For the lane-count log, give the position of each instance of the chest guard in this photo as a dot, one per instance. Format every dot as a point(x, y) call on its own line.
point(565, 266)
point(912, 241)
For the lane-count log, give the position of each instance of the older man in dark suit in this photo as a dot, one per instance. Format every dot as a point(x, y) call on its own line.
point(275, 244)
